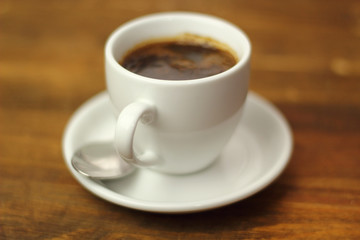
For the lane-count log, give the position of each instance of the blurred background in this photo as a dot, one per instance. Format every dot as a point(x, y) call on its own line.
point(308, 49)
point(306, 60)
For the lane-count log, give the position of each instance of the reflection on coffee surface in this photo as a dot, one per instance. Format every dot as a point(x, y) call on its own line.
point(181, 58)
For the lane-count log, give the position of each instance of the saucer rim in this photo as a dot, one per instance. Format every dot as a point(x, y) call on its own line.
point(100, 190)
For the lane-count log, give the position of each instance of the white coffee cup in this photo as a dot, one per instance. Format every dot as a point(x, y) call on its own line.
point(184, 124)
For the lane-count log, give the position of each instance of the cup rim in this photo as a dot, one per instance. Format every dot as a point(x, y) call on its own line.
point(109, 57)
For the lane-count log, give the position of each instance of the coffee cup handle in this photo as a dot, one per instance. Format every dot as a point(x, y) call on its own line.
point(125, 131)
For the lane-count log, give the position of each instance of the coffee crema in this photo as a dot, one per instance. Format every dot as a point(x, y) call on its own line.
point(184, 57)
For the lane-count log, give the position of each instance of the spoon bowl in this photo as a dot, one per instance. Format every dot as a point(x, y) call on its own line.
point(100, 161)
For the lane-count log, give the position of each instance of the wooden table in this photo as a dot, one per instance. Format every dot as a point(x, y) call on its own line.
point(306, 60)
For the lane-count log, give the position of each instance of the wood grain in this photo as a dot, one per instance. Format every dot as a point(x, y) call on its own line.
point(306, 60)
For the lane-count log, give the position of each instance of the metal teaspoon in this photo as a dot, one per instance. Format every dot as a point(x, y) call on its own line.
point(100, 161)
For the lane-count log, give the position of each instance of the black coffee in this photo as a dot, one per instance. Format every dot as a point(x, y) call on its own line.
point(178, 59)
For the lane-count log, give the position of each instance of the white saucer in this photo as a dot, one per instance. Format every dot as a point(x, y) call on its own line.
point(255, 156)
